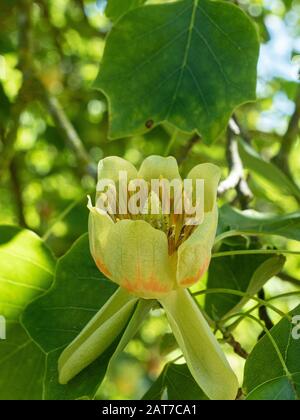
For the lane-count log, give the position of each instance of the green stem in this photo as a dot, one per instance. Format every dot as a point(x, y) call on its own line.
point(242, 315)
point(255, 252)
point(232, 233)
point(242, 294)
point(284, 295)
point(282, 361)
point(171, 143)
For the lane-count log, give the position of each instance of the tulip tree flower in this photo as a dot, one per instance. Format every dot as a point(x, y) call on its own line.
point(154, 258)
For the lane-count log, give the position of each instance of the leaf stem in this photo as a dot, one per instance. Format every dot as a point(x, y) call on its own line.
point(171, 143)
point(255, 252)
point(242, 315)
point(242, 294)
point(232, 233)
point(271, 338)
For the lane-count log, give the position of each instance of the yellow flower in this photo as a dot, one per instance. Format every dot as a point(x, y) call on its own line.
point(150, 256)
point(153, 257)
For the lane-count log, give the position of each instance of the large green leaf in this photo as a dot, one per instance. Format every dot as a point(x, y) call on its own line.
point(269, 174)
point(251, 221)
point(244, 273)
point(27, 269)
point(56, 318)
point(117, 8)
point(21, 366)
point(270, 377)
point(179, 384)
point(190, 63)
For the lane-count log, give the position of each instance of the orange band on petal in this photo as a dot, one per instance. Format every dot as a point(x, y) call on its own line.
point(103, 268)
point(192, 280)
point(142, 287)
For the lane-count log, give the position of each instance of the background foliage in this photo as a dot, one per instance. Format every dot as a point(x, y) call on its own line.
point(54, 129)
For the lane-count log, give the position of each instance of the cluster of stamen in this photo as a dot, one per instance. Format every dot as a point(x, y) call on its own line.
point(175, 226)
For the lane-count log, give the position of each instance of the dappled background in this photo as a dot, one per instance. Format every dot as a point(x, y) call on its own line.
point(53, 131)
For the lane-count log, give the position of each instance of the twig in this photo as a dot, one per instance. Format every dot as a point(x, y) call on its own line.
point(25, 35)
point(32, 85)
point(56, 33)
point(67, 130)
point(236, 178)
point(25, 53)
point(263, 314)
point(237, 347)
point(11, 132)
point(81, 6)
point(188, 148)
point(17, 191)
point(240, 396)
point(289, 279)
point(288, 140)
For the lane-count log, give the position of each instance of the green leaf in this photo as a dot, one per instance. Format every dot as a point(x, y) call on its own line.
point(179, 384)
point(268, 376)
point(21, 366)
point(245, 273)
point(26, 268)
point(269, 174)
point(251, 221)
point(167, 344)
point(278, 389)
point(56, 318)
point(116, 8)
point(190, 63)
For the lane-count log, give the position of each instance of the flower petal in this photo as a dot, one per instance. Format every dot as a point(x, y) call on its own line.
point(211, 175)
point(156, 167)
point(110, 167)
point(142, 309)
point(97, 336)
point(199, 346)
point(100, 225)
point(194, 255)
point(137, 258)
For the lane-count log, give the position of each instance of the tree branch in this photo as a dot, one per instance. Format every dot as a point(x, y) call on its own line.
point(25, 38)
point(67, 130)
point(25, 35)
point(17, 191)
point(33, 87)
point(288, 140)
point(10, 136)
point(236, 178)
point(187, 148)
point(289, 279)
point(237, 347)
point(263, 314)
point(56, 33)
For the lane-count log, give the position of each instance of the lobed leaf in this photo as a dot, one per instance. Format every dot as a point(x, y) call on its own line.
point(190, 63)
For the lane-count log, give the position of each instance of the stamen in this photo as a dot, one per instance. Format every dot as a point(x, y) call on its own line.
point(171, 240)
